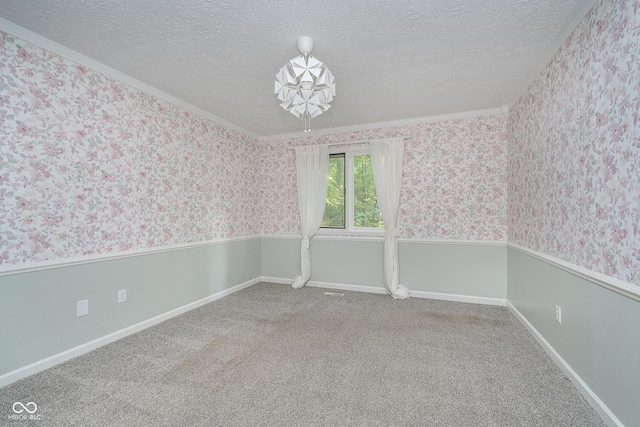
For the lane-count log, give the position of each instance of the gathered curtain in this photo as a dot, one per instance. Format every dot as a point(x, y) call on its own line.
point(386, 162)
point(312, 164)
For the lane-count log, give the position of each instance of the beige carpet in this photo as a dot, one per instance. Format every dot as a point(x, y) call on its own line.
point(270, 355)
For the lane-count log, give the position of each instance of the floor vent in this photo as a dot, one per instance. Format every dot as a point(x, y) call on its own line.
point(334, 294)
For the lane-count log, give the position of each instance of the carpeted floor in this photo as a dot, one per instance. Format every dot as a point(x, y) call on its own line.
point(269, 355)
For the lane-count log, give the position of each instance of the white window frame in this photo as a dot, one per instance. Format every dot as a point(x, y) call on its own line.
point(349, 228)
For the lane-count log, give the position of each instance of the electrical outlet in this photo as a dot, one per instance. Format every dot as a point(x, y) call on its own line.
point(558, 314)
point(83, 308)
point(122, 296)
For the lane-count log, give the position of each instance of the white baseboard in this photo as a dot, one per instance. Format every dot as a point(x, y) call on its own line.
point(595, 402)
point(56, 359)
point(278, 280)
point(377, 290)
point(459, 298)
point(328, 285)
point(345, 287)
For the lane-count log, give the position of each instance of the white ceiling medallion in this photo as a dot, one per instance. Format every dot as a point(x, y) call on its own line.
point(305, 85)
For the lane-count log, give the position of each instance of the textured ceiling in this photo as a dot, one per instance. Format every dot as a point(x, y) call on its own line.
point(392, 59)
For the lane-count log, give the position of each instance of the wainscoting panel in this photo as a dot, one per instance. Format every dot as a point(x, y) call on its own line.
point(472, 269)
point(599, 337)
point(38, 314)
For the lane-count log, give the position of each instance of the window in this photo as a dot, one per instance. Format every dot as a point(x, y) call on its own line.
point(352, 204)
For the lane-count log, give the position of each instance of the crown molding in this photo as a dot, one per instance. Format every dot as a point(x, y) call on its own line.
point(72, 55)
point(502, 110)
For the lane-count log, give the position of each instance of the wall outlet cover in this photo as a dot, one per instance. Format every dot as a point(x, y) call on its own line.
point(122, 296)
point(83, 308)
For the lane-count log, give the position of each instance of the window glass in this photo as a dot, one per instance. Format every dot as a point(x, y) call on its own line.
point(334, 213)
point(366, 212)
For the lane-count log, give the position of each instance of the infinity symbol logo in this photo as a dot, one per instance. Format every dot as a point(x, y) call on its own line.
point(26, 407)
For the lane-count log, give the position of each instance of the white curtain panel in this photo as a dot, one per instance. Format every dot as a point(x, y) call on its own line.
point(386, 161)
point(312, 164)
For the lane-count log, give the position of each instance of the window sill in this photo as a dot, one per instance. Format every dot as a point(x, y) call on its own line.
point(333, 233)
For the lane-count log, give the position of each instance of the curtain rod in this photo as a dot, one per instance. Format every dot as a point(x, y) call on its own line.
point(337, 144)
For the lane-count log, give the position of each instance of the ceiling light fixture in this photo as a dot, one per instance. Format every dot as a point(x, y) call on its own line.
point(305, 85)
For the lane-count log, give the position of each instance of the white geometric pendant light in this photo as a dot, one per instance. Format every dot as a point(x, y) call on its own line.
point(304, 85)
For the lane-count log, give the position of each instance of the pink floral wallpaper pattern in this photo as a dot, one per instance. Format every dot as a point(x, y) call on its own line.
point(574, 148)
point(454, 179)
point(90, 165)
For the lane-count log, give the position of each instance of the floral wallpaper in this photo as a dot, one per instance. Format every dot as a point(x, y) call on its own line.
point(454, 179)
point(89, 165)
point(574, 148)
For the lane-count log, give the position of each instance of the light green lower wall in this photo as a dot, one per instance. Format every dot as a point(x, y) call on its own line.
point(460, 269)
point(38, 314)
point(599, 336)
